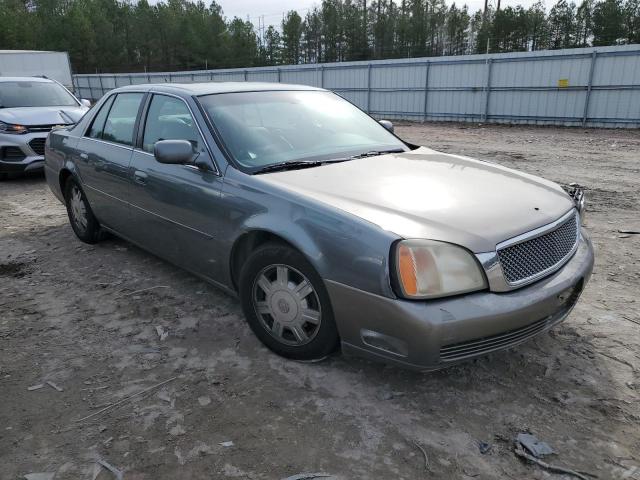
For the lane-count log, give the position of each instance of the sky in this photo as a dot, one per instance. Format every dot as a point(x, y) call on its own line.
point(273, 9)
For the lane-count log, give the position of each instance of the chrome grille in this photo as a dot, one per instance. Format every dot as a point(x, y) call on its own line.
point(37, 145)
point(532, 258)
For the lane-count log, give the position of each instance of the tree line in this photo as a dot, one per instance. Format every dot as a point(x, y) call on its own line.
point(134, 36)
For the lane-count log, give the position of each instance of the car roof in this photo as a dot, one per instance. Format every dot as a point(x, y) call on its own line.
point(25, 79)
point(212, 88)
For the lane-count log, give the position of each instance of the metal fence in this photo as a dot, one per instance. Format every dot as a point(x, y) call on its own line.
point(588, 86)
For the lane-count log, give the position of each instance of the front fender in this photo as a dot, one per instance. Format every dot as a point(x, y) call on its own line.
point(340, 246)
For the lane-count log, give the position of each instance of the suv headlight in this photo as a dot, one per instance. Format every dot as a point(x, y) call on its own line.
point(11, 128)
point(430, 269)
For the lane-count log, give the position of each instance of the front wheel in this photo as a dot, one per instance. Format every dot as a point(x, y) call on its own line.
point(286, 303)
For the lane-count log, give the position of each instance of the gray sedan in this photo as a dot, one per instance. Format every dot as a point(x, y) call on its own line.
point(331, 230)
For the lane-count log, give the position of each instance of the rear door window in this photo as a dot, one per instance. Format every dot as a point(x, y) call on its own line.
point(121, 120)
point(98, 122)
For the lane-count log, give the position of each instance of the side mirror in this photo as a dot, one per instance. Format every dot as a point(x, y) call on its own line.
point(387, 124)
point(175, 152)
point(85, 102)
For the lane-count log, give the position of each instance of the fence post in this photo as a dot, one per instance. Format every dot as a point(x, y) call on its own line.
point(245, 75)
point(321, 76)
point(589, 85)
point(487, 90)
point(102, 92)
point(426, 91)
point(278, 69)
point(369, 88)
point(90, 87)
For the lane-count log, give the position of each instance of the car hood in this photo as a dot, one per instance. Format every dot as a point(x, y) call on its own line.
point(428, 194)
point(42, 115)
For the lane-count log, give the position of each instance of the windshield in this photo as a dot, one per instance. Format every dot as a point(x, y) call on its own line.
point(270, 127)
point(34, 94)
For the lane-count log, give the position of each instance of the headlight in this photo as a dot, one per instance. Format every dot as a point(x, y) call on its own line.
point(429, 269)
point(10, 128)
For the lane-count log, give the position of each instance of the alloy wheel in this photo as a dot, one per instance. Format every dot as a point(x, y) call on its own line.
point(286, 304)
point(78, 208)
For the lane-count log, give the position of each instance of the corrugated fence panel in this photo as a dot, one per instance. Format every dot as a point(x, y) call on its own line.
point(262, 76)
point(588, 86)
point(306, 76)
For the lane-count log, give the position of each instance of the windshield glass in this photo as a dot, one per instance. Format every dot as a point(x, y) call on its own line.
point(270, 127)
point(34, 94)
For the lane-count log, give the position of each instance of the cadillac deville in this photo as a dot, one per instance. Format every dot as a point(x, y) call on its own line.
point(332, 231)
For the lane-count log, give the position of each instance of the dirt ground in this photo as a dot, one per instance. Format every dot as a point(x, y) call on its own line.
point(85, 317)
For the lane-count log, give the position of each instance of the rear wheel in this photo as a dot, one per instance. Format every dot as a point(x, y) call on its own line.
point(84, 223)
point(286, 303)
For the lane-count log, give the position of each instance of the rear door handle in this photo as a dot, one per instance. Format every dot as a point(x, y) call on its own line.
point(140, 177)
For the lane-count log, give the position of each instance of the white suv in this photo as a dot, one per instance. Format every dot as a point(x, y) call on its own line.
point(29, 108)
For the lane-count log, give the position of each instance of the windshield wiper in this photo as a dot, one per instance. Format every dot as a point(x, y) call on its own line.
point(316, 163)
point(276, 167)
point(374, 153)
point(371, 153)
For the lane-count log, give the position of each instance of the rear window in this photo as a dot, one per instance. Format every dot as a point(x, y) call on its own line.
point(121, 120)
point(34, 94)
point(97, 126)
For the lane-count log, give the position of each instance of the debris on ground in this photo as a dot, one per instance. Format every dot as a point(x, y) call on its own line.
point(54, 386)
point(35, 387)
point(519, 451)
point(536, 447)
point(116, 473)
point(307, 476)
point(228, 443)
point(124, 400)
point(144, 290)
point(40, 476)
point(162, 333)
point(424, 454)
point(484, 447)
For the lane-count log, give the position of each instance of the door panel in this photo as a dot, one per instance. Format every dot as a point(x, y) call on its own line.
point(104, 171)
point(175, 213)
point(104, 157)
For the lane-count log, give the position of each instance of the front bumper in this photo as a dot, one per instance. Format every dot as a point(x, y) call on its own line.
point(428, 335)
point(17, 152)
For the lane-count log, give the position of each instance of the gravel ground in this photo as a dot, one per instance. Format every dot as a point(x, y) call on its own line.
point(85, 317)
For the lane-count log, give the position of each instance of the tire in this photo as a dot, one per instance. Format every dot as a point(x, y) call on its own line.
point(286, 303)
point(81, 217)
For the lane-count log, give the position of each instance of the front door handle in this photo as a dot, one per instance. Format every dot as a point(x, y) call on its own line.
point(140, 177)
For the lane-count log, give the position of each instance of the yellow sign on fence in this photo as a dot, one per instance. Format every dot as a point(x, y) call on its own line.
point(563, 83)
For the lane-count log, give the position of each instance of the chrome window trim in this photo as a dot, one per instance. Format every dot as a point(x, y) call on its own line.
point(491, 262)
point(216, 169)
point(113, 144)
